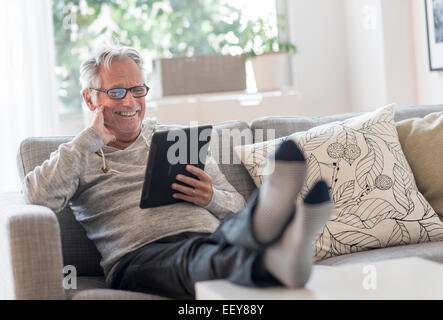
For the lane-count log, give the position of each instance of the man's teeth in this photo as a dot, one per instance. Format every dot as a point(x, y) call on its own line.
point(127, 114)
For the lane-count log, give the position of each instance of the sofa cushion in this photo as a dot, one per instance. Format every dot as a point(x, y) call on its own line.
point(226, 136)
point(422, 142)
point(377, 203)
point(94, 288)
point(110, 294)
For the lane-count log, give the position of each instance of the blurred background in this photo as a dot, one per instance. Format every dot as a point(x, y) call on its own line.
point(334, 56)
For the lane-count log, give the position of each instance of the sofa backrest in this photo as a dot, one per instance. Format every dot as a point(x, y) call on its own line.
point(77, 249)
point(284, 126)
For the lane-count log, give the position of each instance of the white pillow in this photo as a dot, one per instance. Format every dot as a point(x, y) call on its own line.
point(377, 203)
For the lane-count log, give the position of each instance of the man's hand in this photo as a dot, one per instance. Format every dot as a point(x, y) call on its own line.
point(98, 124)
point(200, 191)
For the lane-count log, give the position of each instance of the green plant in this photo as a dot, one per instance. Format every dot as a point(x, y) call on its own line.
point(259, 37)
point(157, 28)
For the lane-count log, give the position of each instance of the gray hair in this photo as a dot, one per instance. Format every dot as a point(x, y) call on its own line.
point(89, 76)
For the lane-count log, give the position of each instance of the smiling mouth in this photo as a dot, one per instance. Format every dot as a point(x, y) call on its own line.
point(126, 114)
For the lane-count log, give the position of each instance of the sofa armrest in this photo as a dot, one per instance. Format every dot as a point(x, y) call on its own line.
point(31, 263)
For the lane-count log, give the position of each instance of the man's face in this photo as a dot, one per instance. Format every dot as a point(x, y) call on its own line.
point(122, 74)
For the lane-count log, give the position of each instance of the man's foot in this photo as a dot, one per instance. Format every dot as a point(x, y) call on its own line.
point(290, 259)
point(277, 195)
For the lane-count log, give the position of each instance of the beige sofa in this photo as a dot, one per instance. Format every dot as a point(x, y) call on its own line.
point(36, 243)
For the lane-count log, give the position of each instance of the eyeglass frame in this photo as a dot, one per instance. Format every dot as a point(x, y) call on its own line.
point(126, 91)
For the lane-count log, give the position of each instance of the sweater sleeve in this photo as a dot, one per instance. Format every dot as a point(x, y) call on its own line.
point(55, 181)
point(225, 200)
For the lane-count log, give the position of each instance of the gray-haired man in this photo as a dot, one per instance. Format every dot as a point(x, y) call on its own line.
point(162, 250)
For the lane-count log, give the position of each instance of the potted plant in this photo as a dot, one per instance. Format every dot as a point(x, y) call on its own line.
point(268, 54)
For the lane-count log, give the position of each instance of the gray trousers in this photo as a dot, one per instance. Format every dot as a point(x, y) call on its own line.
point(171, 266)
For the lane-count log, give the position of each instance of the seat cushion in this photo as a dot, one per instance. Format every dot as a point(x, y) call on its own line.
point(110, 294)
point(94, 288)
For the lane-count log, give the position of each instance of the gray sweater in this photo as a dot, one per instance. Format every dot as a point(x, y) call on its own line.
point(107, 205)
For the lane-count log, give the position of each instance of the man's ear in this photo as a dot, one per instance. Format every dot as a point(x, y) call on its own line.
point(88, 100)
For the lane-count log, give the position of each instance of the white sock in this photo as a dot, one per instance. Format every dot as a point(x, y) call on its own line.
point(276, 201)
point(290, 260)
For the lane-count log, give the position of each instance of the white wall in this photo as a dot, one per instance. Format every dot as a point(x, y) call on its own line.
point(353, 54)
point(320, 70)
point(401, 79)
point(429, 83)
point(367, 83)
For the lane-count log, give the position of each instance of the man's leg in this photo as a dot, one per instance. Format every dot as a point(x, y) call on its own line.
point(271, 208)
point(237, 250)
point(287, 241)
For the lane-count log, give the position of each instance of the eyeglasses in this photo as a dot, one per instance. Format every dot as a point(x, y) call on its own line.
point(120, 93)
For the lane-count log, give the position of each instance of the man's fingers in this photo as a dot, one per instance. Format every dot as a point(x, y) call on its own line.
point(98, 124)
point(203, 176)
point(190, 181)
point(184, 197)
point(183, 189)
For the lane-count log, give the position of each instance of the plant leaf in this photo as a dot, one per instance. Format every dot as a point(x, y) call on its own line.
point(381, 128)
point(312, 176)
point(383, 117)
point(370, 208)
point(353, 241)
point(427, 209)
point(344, 193)
point(323, 245)
point(401, 188)
point(374, 220)
point(397, 152)
point(399, 235)
point(350, 220)
point(434, 231)
point(347, 136)
point(370, 166)
point(314, 139)
point(424, 237)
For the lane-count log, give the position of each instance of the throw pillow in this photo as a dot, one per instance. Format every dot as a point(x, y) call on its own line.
point(377, 203)
point(422, 142)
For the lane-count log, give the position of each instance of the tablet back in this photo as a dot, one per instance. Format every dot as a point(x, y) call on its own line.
point(170, 152)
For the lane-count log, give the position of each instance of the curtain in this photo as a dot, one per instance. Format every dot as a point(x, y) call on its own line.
point(27, 80)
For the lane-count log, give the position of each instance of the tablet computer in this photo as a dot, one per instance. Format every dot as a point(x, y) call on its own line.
point(171, 151)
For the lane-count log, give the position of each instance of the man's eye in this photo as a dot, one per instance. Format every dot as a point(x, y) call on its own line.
point(115, 93)
point(139, 90)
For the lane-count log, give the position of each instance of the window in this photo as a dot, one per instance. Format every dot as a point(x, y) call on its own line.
point(157, 28)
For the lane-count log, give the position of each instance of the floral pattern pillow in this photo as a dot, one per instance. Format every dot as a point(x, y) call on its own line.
point(377, 203)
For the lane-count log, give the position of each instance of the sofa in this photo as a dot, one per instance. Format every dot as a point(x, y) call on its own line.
point(38, 246)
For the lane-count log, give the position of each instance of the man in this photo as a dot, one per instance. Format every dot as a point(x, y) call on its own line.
point(165, 250)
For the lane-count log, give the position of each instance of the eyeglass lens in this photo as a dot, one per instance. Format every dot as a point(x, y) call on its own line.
point(120, 93)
